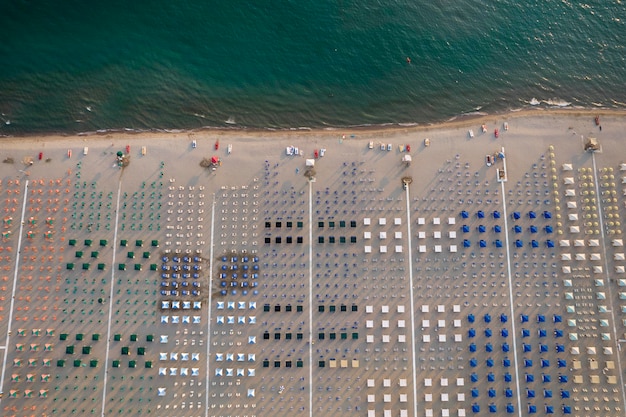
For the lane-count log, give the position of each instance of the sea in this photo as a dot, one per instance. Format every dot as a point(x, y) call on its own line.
point(85, 66)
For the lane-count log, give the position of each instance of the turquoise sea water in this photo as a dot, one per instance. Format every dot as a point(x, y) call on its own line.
point(76, 66)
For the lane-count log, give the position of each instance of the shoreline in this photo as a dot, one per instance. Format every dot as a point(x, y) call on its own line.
point(350, 131)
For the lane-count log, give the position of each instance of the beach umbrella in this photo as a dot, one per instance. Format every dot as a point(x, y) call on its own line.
point(563, 379)
point(492, 408)
point(557, 318)
point(482, 243)
point(487, 318)
point(480, 214)
point(528, 363)
point(548, 229)
point(491, 377)
point(549, 243)
point(43, 393)
point(471, 333)
point(465, 228)
point(508, 393)
point(545, 363)
point(472, 347)
point(498, 243)
point(489, 347)
point(532, 409)
point(474, 377)
point(519, 243)
point(491, 392)
point(475, 408)
point(496, 214)
point(564, 393)
point(533, 229)
point(214, 159)
point(482, 229)
point(473, 362)
point(471, 318)
point(543, 348)
point(508, 377)
point(517, 229)
point(549, 409)
point(497, 228)
point(503, 318)
point(464, 214)
point(526, 347)
point(504, 333)
point(532, 214)
point(524, 318)
point(506, 362)
point(534, 244)
point(475, 393)
point(567, 409)
point(546, 378)
point(558, 333)
point(561, 363)
point(547, 214)
point(466, 243)
point(510, 409)
point(525, 333)
point(517, 215)
point(488, 332)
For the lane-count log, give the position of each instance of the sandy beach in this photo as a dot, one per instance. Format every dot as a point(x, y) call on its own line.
point(368, 284)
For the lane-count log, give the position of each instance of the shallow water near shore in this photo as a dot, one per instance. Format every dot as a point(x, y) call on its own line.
point(160, 65)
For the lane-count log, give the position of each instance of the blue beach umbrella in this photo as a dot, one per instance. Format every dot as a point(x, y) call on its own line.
point(567, 409)
point(545, 378)
point(480, 214)
point(492, 408)
point(517, 215)
point(526, 347)
point(498, 243)
point(474, 377)
point(510, 409)
point(504, 318)
point(545, 363)
point(532, 409)
point(541, 318)
point(491, 392)
point(490, 363)
point(564, 393)
point(561, 363)
point(497, 228)
point(524, 318)
point(472, 347)
point(549, 409)
point(529, 378)
point(465, 228)
point(525, 333)
point(558, 333)
point(471, 318)
point(482, 229)
point(487, 318)
point(563, 379)
point(488, 333)
point(505, 347)
point(543, 348)
point(530, 393)
point(533, 229)
point(542, 332)
point(471, 333)
point(475, 393)
point(547, 393)
point(547, 215)
point(496, 214)
point(548, 229)
point(560, 348)
point(534, 243)
point(517, 229)
point(508, 377)
point(557, 318)
point(482, 243)
point(464, 214)
point(491, 377)
point(506, 362)
point(489, 347)
point(466, 243)
point(475, 408)
point(504, 333)
point(528, 363)
point(519, 243)
point(549, 243)
point(532, 214)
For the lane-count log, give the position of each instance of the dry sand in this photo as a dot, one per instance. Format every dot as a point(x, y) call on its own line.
point(388, 315)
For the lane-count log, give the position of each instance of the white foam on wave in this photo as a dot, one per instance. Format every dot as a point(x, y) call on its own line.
point(534, 102)
point(557, 102)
